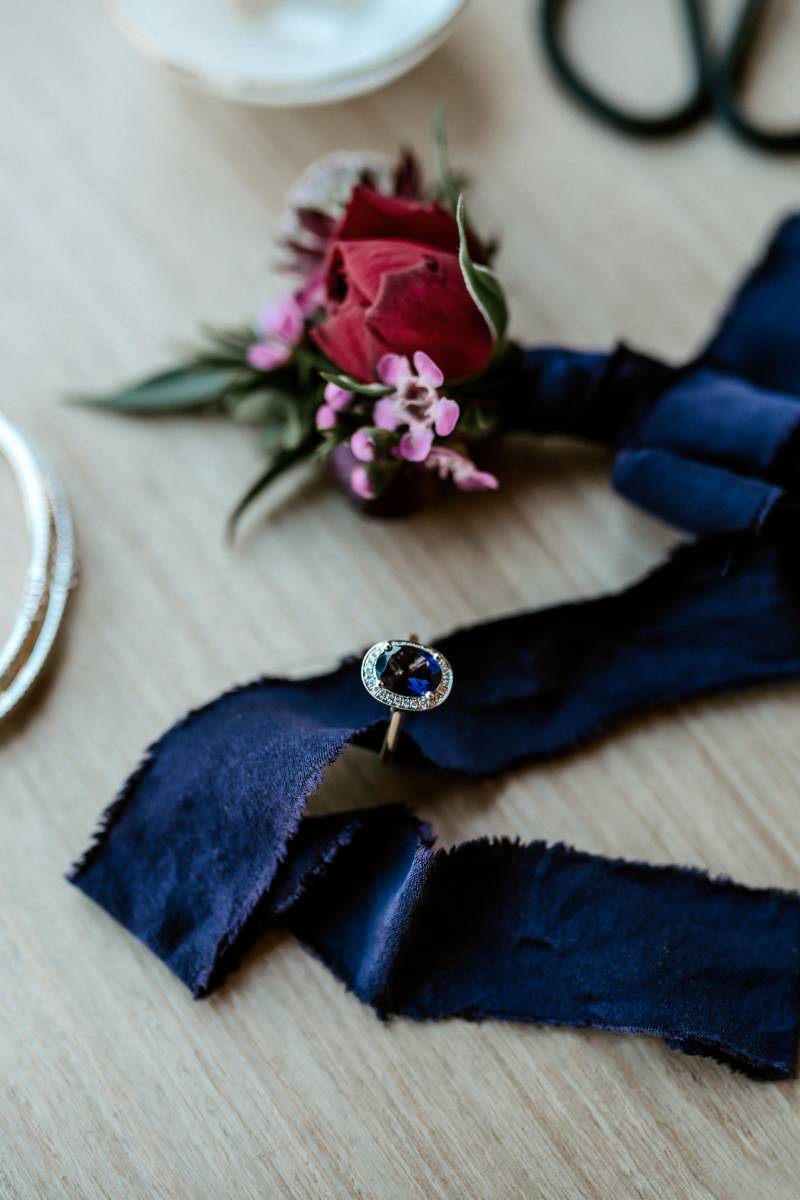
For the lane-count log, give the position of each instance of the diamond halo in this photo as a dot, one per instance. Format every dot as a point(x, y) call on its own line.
point(372, 682)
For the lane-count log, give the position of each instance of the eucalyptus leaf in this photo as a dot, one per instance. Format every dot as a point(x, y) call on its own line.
point(376, 390)
point(279, 464)
point(448, 187)
point(261, 405)
point(179, 390)
point(325, 448)
point(218, 360)
point(309, 352)
point(309, 364)
point(271, 436)
point(482, 284)
point(231, 342)
point(297, 425)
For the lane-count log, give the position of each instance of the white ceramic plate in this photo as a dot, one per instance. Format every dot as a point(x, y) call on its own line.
point(288, 52)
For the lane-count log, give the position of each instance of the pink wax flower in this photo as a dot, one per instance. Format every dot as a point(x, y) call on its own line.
point(338, 398)
point(449, 464)
point(325, 418)
point(311, 295)
point(266, 356)
point(415, 404)
point(281, 327)
point(362, 445)
point(360, 483)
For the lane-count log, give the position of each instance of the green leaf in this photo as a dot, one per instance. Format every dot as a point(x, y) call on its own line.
point(447, 182)
point(178, 390)
point(271, 436)
point(280, 463)
point(475, 423)
point(482, 284)
point(229, 344)
point(297, 425)
point(325, 448)
point(376, 390)
point(260, 405)
point(309, 363)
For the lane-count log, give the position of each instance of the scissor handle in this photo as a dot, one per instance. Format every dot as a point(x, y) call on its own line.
point(727, 78)
point(675, 120)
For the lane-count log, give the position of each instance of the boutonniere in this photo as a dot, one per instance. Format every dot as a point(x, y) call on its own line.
point(386, 355)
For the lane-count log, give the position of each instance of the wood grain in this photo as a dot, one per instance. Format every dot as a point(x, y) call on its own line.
point(130, 211)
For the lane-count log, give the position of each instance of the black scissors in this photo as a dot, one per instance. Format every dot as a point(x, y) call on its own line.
point(718, 80)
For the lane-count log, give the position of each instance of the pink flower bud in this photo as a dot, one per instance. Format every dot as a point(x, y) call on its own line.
point(362, 445)
point(326, 418)
point(266, 356)
point(360, 483)
point(337, 397)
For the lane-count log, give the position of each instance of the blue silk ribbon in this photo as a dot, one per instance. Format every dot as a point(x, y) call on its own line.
point(208, 843)
point(711, 447)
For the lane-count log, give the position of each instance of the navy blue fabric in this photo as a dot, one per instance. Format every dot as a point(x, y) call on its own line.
point(709, 447)
point(758, 338)
point(691, 494)
point(546, 934)
point(208, 843)
point(743, 427)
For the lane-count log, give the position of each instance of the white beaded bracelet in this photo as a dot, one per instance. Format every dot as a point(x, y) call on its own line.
point(51, 569)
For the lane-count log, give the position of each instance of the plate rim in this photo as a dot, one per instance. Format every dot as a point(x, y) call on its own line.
point(319, 89)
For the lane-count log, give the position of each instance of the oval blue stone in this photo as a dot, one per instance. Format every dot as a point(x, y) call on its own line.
point(408, 671)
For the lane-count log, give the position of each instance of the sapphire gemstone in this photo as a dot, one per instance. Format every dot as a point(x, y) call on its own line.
point(408, 671)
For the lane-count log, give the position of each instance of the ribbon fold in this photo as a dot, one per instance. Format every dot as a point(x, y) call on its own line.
point(710, 447)
point(208, 843)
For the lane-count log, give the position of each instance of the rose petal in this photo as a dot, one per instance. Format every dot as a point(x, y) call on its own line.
point(427, 370)
point(343, 338)
point(357, 268)
point(394, 370)
point(415, 447)
point(372, 215)
point(446, 414)
point(419, 309)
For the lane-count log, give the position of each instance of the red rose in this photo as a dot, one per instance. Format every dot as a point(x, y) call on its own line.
point(393, 284)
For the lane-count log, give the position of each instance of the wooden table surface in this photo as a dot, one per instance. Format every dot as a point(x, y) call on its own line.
point(131, 211)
